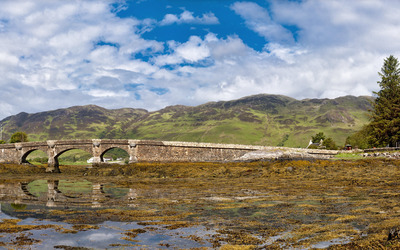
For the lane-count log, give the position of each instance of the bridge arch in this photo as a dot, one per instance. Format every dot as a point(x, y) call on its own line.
point(25, 156)
point(124, 151)
point(57, 156)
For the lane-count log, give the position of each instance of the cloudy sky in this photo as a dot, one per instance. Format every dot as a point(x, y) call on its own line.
point(154, 53)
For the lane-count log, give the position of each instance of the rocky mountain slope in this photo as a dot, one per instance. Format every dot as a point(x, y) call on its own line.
point(261, 120)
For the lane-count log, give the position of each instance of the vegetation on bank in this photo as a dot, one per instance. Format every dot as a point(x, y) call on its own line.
point(199, 169)
point(19, 137)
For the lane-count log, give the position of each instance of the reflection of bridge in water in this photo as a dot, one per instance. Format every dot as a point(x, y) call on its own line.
point(18, 193)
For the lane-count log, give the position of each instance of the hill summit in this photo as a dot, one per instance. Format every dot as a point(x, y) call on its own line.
point(272, 120)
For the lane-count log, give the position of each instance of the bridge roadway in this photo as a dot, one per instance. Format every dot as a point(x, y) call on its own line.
point(138, 150)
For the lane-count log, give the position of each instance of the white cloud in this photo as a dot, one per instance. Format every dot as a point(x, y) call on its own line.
point(106, 93)
point(259, 20)
point(187, 17)
point(287, 54)
point(58, 53)
point(192, 51)
point(229, 49)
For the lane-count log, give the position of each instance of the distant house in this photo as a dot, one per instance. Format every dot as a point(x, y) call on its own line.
point(107, 159)
point(316, 144)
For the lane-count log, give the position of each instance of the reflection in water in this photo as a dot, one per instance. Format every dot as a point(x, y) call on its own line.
point(19, 192)
point(87, 214)
point(172, 213)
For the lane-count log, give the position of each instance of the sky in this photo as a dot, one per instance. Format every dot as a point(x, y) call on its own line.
point(154, 53)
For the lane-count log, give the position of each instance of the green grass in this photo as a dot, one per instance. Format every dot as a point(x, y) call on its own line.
point(350, 156)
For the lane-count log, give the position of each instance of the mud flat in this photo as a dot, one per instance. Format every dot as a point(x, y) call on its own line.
point(337, 204)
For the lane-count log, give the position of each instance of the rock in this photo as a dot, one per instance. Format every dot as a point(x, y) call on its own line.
point(394, 233)
point(279, 155)
point(260, 155)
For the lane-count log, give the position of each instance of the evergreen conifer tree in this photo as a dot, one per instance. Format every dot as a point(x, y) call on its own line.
point(385, 116)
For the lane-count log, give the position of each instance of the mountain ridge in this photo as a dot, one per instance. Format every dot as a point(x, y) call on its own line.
point(273, 120)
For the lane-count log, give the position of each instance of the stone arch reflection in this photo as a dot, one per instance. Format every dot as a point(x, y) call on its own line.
point(59, 193)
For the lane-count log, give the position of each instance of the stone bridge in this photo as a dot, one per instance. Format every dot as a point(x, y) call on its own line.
point(138, 150)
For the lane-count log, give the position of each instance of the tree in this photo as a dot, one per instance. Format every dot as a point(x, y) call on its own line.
point(318, 137)
point(360, 139)
point(385, 116)
point(2, 142)
point(19, 137)
point(329, 143)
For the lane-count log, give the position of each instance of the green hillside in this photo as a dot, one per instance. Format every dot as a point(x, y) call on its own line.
point(260, 120)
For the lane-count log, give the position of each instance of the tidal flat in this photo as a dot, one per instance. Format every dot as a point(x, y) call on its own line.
point(335, 204)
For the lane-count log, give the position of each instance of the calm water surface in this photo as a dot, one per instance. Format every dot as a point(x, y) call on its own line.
point(102, 206)
point(161, 213)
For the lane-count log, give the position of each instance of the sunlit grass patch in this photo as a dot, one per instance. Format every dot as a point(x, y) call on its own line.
point(349, 156)
point(347, 218)
point(232, 205)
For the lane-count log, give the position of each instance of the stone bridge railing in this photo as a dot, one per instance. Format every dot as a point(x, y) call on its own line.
point(138, 150)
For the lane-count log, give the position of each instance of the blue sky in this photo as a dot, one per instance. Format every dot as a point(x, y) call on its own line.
point(154, 53)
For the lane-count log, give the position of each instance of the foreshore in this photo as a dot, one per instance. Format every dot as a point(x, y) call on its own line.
point(303, 203)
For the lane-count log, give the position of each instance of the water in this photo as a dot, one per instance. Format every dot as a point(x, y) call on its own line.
point(64, 204)
point(161, 213)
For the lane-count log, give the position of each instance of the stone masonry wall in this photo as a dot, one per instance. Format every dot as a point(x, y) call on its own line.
point(149, 150)
point(189, 154)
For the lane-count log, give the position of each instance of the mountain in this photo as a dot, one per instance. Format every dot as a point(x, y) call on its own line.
point(260, 120)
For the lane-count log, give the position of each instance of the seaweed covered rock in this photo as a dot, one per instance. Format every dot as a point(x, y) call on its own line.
point(394, 233)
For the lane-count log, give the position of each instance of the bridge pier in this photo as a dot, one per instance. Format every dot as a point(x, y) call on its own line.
point(132, 151)
point(52, 163)
point(98, 195)
point(97, 149)
point(53, 166)
point(52, 191)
